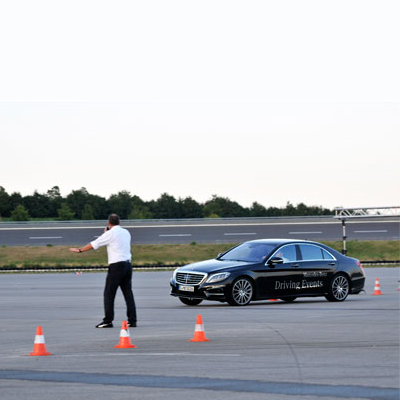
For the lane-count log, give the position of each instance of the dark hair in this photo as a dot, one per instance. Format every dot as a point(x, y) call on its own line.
point(113, 219)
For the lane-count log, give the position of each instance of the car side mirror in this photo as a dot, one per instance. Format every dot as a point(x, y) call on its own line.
point(273, 261)
point(219, 255)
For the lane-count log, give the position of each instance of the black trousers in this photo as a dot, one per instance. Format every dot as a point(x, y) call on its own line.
point(119, 275)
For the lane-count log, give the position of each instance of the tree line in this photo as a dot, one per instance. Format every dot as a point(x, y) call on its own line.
point(82, 205)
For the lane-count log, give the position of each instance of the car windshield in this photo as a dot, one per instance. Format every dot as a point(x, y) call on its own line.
point(249, 252)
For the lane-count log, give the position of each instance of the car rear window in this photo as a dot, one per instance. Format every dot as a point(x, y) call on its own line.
point(311, 252)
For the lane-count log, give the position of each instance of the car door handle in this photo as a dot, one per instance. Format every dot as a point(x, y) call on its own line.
point(332, 263)
point(295, 265)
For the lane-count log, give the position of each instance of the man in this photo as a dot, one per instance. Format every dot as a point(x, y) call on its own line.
point(118, 242)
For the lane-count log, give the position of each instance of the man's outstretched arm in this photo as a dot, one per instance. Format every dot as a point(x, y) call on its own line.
point(82, 249)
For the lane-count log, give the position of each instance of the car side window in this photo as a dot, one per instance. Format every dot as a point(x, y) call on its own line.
point(326, 255)
point(288, 253)
point(311, 252)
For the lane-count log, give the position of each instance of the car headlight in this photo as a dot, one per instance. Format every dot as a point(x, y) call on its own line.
point(218, 277)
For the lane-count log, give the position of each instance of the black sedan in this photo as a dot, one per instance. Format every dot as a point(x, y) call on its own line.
point(269, 269)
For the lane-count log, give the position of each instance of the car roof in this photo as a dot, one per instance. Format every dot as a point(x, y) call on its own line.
point(281, 241)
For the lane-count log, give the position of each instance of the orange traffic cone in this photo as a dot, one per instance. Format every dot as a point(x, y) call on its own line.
point(199, 334)
point(377, 290)
point(124, 338)
point(39, 347)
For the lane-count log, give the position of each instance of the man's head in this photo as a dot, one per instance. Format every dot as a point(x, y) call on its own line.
point(113, 219)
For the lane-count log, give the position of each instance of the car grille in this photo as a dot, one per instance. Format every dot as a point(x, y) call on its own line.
point(189, 278)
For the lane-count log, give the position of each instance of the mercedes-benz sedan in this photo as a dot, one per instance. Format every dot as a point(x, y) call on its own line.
point(269, 269)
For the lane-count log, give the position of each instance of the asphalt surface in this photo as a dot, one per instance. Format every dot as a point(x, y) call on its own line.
point(200, 231)
point(305, 350)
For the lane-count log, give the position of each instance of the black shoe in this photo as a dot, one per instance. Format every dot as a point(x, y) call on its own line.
point(132, 324)
point(105, 325)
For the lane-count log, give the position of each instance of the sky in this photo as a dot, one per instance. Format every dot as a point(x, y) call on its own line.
point(267, 101)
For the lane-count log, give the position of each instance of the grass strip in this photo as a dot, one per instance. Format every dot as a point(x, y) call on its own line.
point(167, 254)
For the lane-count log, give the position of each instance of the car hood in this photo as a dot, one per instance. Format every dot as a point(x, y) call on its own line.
point(213, 265)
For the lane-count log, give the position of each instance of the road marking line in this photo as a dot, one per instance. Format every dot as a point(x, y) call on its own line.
point(45, 237)
point(302, 233)
point(240, 234)
point(372, 231)
point(178, 234)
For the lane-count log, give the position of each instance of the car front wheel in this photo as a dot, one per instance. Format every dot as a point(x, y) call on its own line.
point(339, 288)
point(189, 301)
point(240, 292)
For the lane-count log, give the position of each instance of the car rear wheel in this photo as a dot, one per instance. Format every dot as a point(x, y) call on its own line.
point(240, 292)
point(339, 288)
point(189, 301)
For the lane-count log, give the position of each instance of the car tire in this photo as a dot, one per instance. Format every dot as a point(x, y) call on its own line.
point(339, 288)
point(240, 292)
point(189, 301)
point(289, 299)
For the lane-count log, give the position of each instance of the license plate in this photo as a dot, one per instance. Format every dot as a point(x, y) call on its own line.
point(184, 288)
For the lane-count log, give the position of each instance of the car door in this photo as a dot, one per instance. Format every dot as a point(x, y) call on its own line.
point(283, 279)
point(316, 267)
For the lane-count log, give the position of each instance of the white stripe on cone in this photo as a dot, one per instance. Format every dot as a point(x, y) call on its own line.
point(39, 339)
point(199, 328)
point(124, 333)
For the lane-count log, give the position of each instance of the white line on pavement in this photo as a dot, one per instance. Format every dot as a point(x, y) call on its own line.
point(178, 234)
point(302, 233)
point(45, 237)
point(240, 234)
point(372, 231)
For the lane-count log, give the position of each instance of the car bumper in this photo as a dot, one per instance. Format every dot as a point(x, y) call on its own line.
point(357, 285)
point(205, 291)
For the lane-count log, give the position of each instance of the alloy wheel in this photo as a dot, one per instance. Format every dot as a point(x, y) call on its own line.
point(242, 292)
point(340, 287)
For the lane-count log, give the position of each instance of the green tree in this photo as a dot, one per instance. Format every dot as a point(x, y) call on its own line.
point(77, 200)
point(257, 210)
point(14, 199)
point(289, 210)
point(274, 212)
point(100, 207)
point(65, 213)
point(38, 205)
point(88, 212)
point(190, 208)
point(121, 204)
point(165, 207)
point(212, 215)
point(4, 203)
point(54, 199)
point(224, 207)
point(20, 213)
point(140, 212)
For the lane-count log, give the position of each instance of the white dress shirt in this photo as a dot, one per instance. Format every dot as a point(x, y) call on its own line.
point(118, 242)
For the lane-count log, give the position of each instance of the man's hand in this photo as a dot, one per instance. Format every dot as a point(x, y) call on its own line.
point(74, 250)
